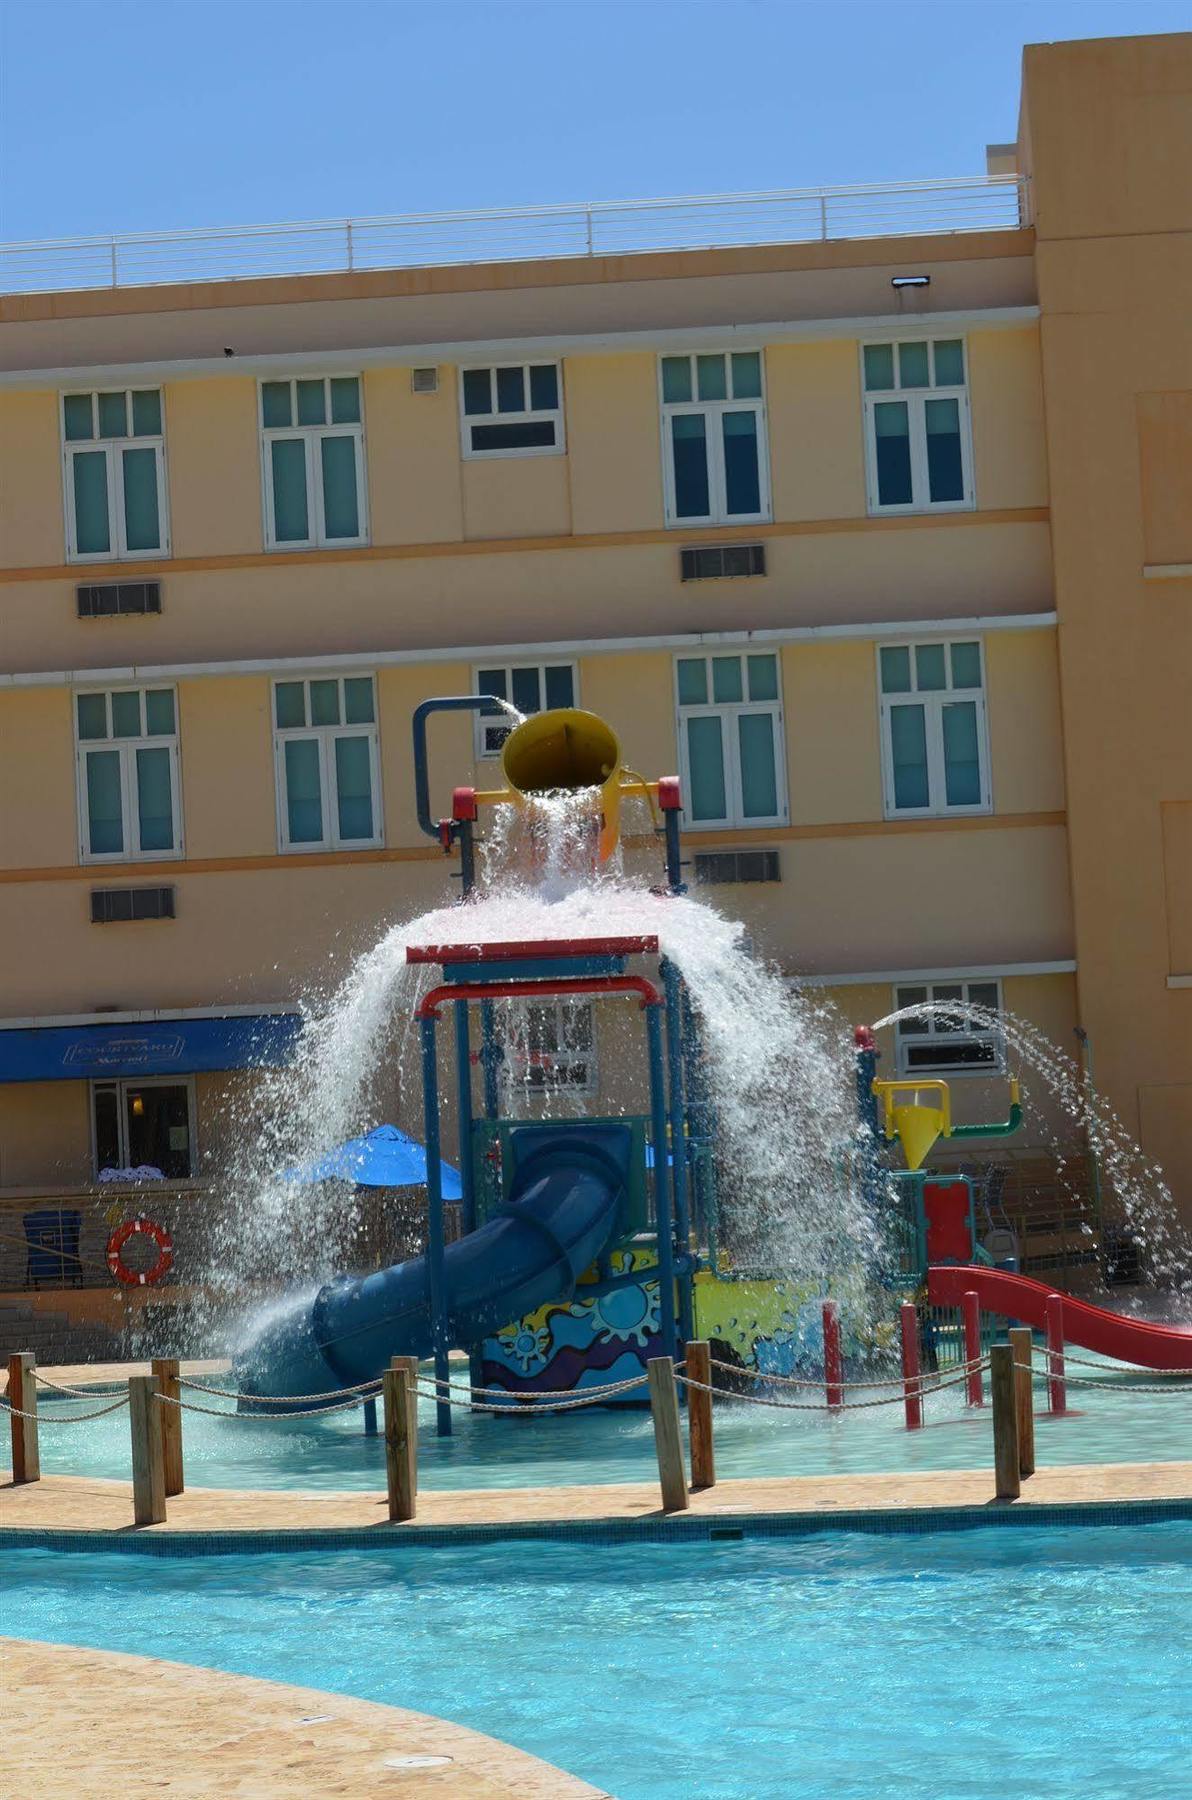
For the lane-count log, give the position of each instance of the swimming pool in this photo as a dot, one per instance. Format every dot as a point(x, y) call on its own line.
point(967, 1665)
point(1106, 1424)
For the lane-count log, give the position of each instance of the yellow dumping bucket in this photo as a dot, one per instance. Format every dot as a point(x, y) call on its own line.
point(914, 1123)
point(562, 751)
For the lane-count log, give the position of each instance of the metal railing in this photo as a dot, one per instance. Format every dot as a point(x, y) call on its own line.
point(511, 234)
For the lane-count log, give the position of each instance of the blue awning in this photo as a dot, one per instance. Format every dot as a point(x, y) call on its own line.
point(155, 1047)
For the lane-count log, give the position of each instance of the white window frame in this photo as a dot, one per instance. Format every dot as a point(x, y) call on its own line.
point(916, 399)
point(126, 748)
point(325, 736)
point(554, 1059)
point(728, 711)
point(933, 703)
point(310, 436)
point(486, 749)
point(528, 415)
point(712, 410)
point(122, 1083)
point(112, 447)
point(933, 1071)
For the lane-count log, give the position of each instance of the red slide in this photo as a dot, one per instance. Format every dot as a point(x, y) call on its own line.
point(1092, 1327)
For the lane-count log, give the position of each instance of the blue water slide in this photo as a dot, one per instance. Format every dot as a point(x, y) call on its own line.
point(563, 1211)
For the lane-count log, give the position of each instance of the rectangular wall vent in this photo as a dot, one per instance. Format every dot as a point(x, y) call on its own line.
point(738, 865)
point(108, 599)
point(712, 562)
point(110, 906)
point(424, 381)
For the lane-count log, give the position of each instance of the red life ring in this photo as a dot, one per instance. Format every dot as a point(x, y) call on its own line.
point(136, 1277)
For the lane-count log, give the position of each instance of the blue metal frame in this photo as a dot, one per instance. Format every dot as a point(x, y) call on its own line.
point(435, 1244)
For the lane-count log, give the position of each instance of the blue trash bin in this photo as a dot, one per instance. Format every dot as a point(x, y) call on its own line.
point(52, 1241)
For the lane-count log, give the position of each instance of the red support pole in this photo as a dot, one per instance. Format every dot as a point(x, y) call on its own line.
point(833, 1356)
point(1057, 1387)
point(970, 1305)
point(911, 1383)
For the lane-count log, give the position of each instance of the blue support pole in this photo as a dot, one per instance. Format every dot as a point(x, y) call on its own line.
point(678, 1133)
point(463, 1074)
point(490, 1055)
point(435, 1246)
point(662, 1192)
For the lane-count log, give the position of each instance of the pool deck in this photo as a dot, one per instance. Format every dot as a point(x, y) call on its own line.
point(88, 1724)
point(66, 1503)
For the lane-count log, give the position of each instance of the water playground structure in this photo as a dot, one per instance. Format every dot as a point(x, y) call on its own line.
point(591, 1243)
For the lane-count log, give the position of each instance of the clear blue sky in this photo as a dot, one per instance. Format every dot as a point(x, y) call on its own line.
point(119, 115)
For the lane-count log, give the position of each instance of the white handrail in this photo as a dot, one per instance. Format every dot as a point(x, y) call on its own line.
point(503, 234)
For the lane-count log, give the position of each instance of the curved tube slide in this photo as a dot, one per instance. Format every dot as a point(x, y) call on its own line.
point(562, 1213)
point(1092, 1327)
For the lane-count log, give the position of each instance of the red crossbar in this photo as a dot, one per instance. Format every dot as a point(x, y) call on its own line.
point(519, 949)
point(428, 1007)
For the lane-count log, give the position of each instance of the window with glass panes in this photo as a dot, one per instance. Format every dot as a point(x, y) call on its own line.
point(530, 687)
point(964, 1034)
point(730, 740)
point(144, 1124)
point(548, 1047)
point(917, 425)
point(312, 446)
point(129, 804)
point(935, 755)
point(715, 464)
point(114, 453)
point(512, 410)
point(328, 780)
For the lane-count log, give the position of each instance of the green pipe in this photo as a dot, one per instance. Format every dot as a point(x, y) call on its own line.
point(1005, 1127)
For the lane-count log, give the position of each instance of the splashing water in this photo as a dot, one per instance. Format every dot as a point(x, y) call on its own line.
point(1134, 1182)
point(777, 1065)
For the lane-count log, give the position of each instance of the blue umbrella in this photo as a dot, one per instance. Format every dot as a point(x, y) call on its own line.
point(385, 1157)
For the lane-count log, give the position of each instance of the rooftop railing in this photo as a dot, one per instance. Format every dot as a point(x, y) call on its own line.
point(514, 234)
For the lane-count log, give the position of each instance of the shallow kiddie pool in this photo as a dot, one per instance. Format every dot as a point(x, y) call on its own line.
point(1109, 1422)
point(1019, 1659)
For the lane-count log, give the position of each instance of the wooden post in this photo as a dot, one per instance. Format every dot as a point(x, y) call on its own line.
point(148, 1463)
point(971, 1308)
point(22, 1397)
point(912, 1385)
point(664, 1406)
point(699, 1414)
point(166, 1370)
point(410, 1365)
point(1007, 1481)
point(1020, 1339)
point(833, 1356)
point(399, 1463)
point(1057, 1387)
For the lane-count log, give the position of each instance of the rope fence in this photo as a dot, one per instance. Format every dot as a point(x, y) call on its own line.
point(157, 1403)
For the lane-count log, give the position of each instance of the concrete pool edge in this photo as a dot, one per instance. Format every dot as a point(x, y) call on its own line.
point(68, 1513)
point(210, 1727)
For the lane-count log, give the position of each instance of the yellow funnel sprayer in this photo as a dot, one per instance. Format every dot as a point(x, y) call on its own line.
point(908, 1118)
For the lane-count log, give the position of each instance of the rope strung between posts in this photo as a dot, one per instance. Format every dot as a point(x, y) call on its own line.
point(463, 1387)
point(521, 1408)
point(816, 1405)
point(794, 1381)
point(359, 1387)
point(1117, 1387)
point(74, 1393)
point(219, 1412)
point(73, 1419)
point(1111, 1368)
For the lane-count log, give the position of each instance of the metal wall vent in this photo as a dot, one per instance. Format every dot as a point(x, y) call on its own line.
point(713, 562)
point(109, 599)
point(111, 906)
point(424, 381)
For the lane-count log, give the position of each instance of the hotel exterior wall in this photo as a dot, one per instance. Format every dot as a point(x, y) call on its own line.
point(1109, 140)
point(318, 605)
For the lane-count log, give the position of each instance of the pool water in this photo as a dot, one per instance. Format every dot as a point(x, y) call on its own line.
point(1107, 1424)
point(973, 1665)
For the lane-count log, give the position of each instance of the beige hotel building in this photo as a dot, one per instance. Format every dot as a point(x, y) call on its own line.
point(875, 525)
